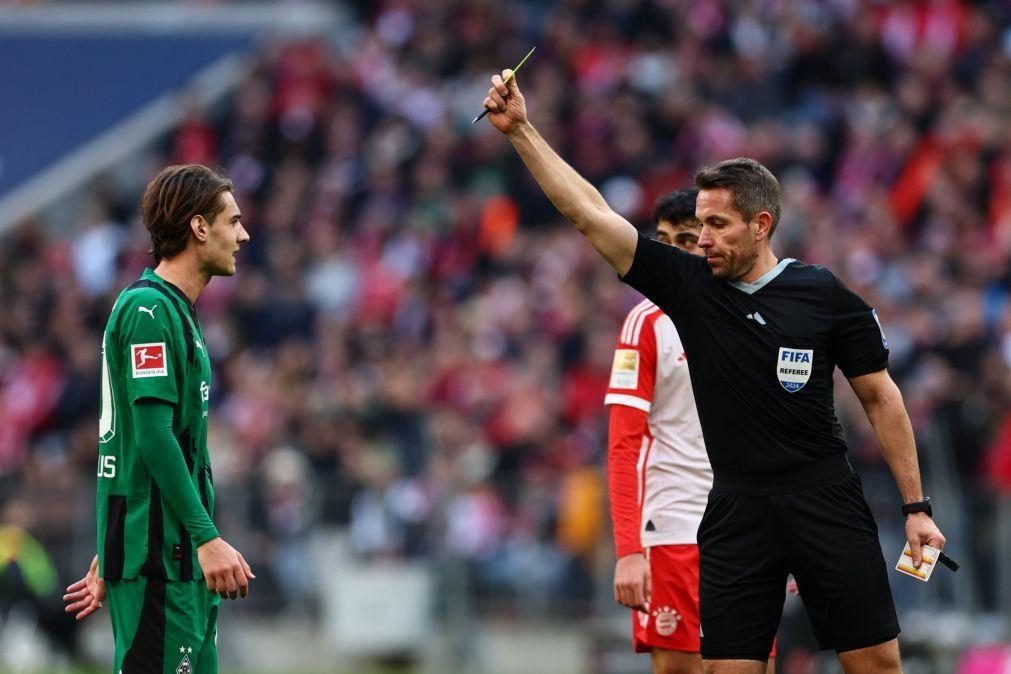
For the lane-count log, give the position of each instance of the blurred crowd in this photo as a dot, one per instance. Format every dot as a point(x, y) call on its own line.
point(416, 346)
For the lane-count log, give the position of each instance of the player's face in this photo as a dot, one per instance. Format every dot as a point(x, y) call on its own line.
point(684, 235)
point(727, 241)
point(224, 237)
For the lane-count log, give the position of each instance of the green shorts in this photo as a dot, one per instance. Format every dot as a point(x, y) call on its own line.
point(163, 627)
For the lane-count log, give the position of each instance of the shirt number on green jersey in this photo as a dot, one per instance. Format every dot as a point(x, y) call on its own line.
point(106, 466)
point(107, 420)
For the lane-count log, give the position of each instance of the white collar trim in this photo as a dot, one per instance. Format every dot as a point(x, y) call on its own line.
point(752, 288)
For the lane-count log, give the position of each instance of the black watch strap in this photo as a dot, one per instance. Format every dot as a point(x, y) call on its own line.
point(919, 507)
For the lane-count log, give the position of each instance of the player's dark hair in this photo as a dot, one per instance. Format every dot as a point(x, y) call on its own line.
point(753, 187)
point(676, 207)
point(173, 198)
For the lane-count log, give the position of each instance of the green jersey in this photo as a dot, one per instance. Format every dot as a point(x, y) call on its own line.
point(155, 496)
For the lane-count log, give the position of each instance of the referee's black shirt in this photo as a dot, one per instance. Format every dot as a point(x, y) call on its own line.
point(761, 358)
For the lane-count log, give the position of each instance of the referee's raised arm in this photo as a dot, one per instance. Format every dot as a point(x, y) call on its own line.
point(614, 237)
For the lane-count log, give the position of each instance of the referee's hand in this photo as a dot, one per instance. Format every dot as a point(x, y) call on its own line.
point(227, 574)
point(507, 109)
point(920, 531)
point(633, 585)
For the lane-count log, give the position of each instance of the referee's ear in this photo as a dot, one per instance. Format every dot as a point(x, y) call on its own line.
point(762, 223)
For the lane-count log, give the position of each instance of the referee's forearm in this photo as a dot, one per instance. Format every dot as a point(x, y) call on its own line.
point(895, 437)
point(573, 196)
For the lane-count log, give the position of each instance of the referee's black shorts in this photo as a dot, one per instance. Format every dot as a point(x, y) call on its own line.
point(823, 534)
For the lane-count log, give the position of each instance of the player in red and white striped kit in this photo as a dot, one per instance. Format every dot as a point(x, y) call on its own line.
point(658, 471)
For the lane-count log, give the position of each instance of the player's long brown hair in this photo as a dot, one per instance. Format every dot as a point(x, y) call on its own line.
point(172, 200)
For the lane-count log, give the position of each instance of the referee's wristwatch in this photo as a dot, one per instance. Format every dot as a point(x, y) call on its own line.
point(918, 507)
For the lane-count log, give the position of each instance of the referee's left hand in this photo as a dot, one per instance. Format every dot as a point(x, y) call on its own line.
point(920, 531)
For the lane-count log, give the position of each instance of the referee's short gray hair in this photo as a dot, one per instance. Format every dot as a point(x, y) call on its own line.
point(753, 187)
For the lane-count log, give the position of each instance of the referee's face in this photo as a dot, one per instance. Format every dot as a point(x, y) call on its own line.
point(727, 241)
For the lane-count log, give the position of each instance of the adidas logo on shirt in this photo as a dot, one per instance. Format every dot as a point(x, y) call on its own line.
point(756, 317)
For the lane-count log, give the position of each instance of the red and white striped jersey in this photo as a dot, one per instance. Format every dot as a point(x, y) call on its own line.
point(650, 373)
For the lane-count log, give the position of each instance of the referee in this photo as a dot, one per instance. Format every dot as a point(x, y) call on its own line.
point(763, 337)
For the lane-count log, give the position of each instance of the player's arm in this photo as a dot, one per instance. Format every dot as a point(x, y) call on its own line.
point(224, 569)
point(160, 451)
point(143, 324)
point(882, 401)
point(144, 329)
point(630, 395)
point(574, 197)
point(632, 582)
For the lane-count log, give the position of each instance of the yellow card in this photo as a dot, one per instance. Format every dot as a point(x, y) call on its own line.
point(905, 564)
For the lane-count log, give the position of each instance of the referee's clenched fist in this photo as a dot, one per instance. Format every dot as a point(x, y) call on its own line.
point(505, 104)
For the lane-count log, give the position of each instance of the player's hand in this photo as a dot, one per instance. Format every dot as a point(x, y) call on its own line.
point(792, 587)
point(506, 108)
point(633, 584)
point(920, 531)
point(86, 595)
point(226, 572)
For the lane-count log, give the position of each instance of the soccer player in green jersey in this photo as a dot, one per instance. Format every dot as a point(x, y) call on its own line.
point(161, 564)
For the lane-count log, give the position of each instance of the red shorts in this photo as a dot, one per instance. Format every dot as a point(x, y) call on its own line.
point(673, 622)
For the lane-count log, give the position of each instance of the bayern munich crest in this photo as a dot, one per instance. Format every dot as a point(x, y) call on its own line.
point(666, 620)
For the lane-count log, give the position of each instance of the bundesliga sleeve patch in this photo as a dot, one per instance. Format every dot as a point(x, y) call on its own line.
point(148, 360)
point(625, 371)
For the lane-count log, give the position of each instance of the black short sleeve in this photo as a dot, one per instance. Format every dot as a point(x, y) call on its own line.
point(859, 346)
point(662, 273)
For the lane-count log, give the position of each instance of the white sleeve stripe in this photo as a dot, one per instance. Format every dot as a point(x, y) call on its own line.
point(631, 320)
point(640, 470)
point(635, 315)
point(639, 323)
point(631, 341)
point(628, 401)
point(626, 330)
